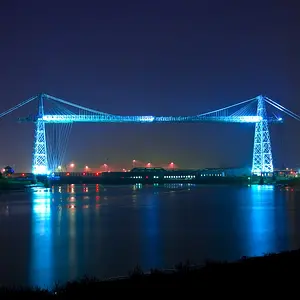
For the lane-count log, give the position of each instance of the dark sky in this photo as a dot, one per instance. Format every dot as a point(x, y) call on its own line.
point(159, 57)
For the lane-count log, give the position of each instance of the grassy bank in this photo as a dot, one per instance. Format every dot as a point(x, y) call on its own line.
point(12, 184)
point(243, 276)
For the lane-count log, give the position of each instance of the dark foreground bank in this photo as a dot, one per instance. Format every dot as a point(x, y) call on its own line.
point(269, 273)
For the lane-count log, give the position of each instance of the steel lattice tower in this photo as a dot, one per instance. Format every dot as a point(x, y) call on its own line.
point(40, 158)
point(262, 152)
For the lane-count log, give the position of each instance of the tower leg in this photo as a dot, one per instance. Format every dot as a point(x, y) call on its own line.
point(40, 156)
point(262, 161)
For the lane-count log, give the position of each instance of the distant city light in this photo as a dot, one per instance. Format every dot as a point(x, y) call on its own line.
point(133, 163)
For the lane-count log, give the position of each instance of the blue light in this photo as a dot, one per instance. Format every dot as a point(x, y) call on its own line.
point(262, 159)
point(261, 232)
point(151, 240)
point(147, 119)
point(41, 263)
point(42, 162)
point(250, 119)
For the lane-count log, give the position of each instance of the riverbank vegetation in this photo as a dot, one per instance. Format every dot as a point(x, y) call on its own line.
point(8, 184)
point(269, 273)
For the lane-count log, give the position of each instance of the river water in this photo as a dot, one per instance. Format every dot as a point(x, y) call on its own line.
point(105, 231)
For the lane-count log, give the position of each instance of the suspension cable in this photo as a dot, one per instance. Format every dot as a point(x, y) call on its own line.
point(283, 109)
point(76, 105)
point(227, 107)
point(17, 106)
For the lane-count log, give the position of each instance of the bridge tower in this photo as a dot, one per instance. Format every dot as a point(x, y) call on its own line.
point(262, 161)
point(40, 156)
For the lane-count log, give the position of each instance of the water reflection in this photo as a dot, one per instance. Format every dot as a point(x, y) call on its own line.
point(4, 209)
point(261, 218)
point(71, 189)
point(150, 238)
point(108, 230)
point(72, 236)
point(264, 221)
point(137, 186)
point(292, 214)
point(41, 246)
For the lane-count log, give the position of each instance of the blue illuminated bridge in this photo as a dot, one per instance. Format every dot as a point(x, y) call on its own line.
point(57, 116)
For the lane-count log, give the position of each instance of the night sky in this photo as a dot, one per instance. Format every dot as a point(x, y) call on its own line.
point(159, 57)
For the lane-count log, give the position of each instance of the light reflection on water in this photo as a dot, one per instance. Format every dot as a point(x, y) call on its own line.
point(262, 220)
point(41, 245)
point(75, 230)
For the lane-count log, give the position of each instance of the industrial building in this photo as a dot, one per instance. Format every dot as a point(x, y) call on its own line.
point(225, 172)
point(161, 174)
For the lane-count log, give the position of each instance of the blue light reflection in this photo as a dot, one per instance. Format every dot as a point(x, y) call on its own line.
point(151, 239)
point(41, 246)
point(261, 221)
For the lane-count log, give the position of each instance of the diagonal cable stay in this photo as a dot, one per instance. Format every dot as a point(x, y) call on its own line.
point(18, 106)
point(282, 108)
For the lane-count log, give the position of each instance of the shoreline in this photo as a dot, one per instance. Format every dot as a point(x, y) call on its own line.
point(260, 270)
point(46, 185)
point(129, 181)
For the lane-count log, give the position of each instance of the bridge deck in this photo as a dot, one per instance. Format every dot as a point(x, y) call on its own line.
point(147, 119)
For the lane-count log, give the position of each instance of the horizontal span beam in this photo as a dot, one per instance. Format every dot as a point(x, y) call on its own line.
point(148, 119)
